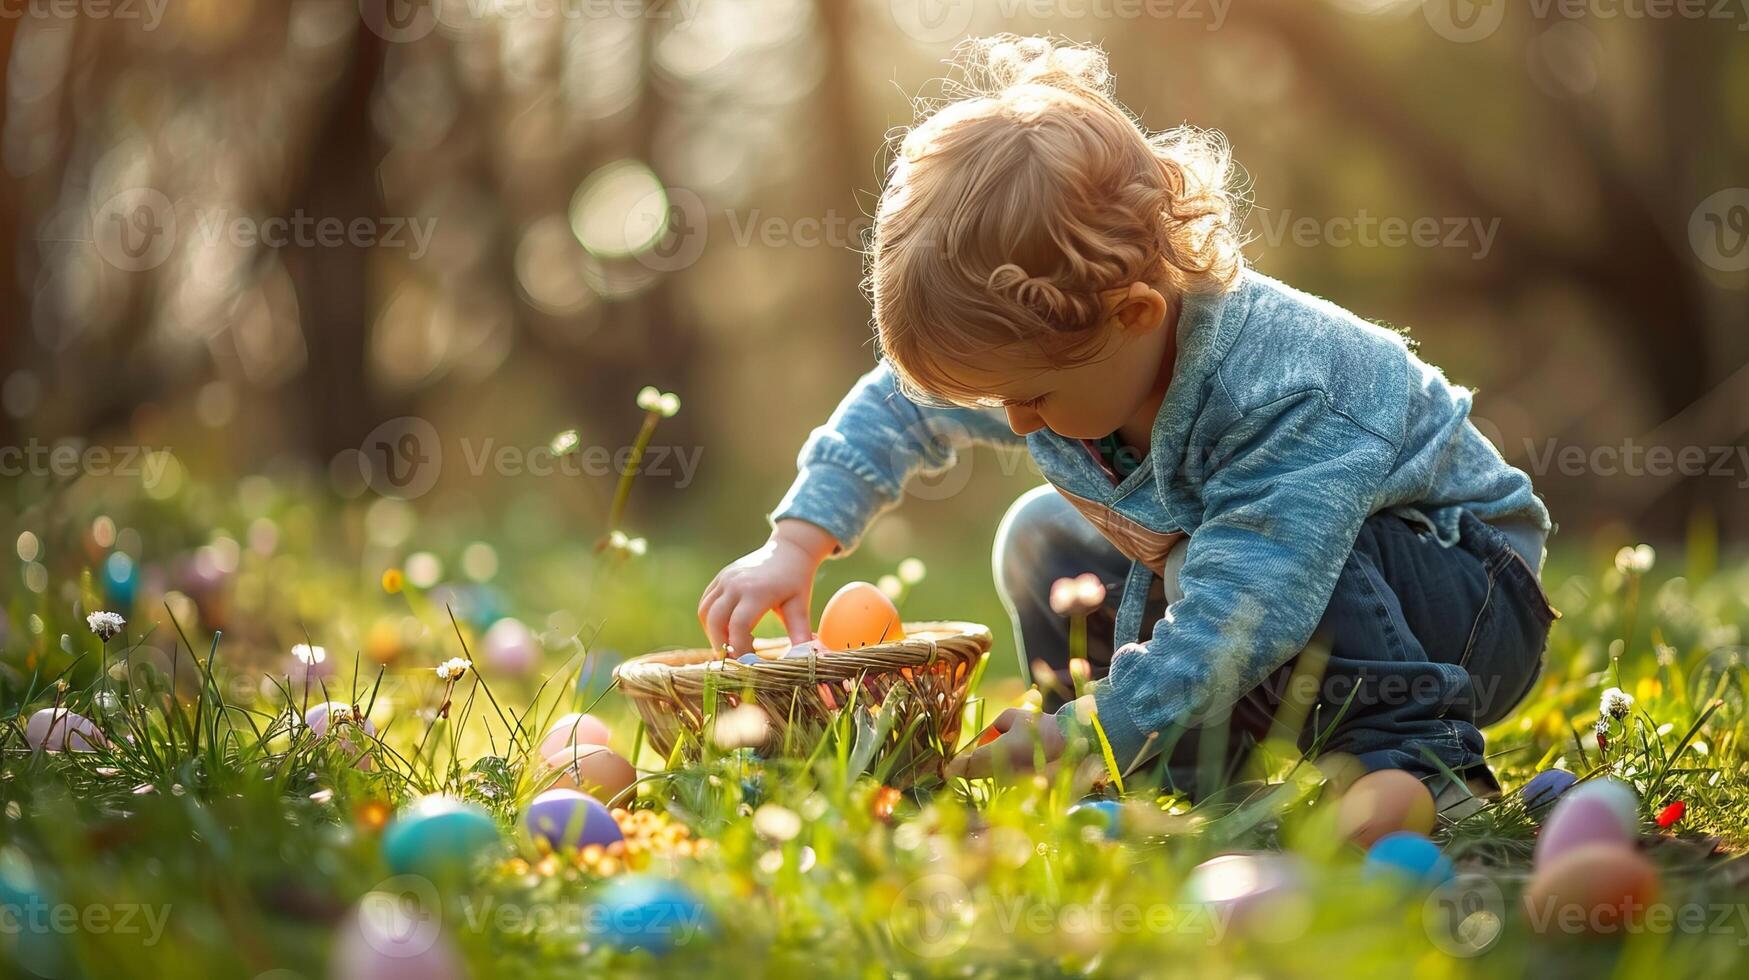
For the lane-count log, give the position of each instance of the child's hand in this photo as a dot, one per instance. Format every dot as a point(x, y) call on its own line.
point(779, 576)
point(1027, 737)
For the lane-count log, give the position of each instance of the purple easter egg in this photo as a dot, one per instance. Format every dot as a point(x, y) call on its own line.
point(511, 648)
point(1546, 787)
point(396, 936)
point(564, 819)
point(1602, 811)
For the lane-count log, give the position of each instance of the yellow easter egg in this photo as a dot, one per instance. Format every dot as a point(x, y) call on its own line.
point(1384, 802)
point(859, 615)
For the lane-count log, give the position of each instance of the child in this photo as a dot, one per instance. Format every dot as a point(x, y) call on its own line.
point(1273, 472)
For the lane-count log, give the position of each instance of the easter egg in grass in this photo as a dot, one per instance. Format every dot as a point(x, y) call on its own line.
point(60, 730)
point(649, 912)
point(859, 615)
point(1408, 858)
point(593, 769)
point(1383, 802)
point(1107, 815)
point(1545, 788)
point(1600, 812)
point(438, 836)
point(574, 729)
point(1260, 894)
point(337, 718)
point(29, 941)
point(1594, 889)
point(395, 936)
point(510, 647)
point(565, 820)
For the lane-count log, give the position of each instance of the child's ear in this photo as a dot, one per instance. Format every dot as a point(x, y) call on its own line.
point(1141, 310)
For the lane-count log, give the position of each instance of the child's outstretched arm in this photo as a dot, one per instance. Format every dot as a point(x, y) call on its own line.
point(851, 469)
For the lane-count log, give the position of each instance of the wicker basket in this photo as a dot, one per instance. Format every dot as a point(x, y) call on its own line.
point(927, 672)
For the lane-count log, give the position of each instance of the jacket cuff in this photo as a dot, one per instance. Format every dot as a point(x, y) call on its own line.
point(1126, 739)
point(834, 499)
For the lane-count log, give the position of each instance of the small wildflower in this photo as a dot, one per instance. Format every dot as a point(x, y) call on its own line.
point(565, 441)
point(1077, 596)
point(453, 669)
point(105, 624)
point(1636, 560)
point(911, 571)
point(1616, 703)
point(1601, 729)
point(1668, 816)
point(393, 580)
point(1666, 655)
point(663, 403)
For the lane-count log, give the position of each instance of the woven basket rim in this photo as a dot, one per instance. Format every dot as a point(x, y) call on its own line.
point(658, 666)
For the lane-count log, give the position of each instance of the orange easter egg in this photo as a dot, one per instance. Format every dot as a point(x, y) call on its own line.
point(593, 769)
point(1383, 802)
point(1598, 889)
point(574, 729)
point(859, 615)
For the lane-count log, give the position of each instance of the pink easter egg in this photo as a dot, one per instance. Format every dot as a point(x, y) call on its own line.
point(511, 648)
point(593, 769)
point(60, 730)
point(1592, 813)
point(573, 729)
point(396, 936)
point(329, 714)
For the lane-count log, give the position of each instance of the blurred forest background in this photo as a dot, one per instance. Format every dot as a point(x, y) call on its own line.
point(551, 203)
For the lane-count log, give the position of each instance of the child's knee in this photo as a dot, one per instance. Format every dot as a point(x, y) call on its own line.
point(1030, 543)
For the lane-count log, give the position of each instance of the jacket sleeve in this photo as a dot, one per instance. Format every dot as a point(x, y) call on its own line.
point(1292, 483)
point(855, 466)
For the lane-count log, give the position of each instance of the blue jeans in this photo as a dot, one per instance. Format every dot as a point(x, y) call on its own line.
point(1420, 646)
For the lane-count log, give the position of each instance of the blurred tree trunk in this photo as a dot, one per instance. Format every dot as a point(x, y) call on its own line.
point(340, 180)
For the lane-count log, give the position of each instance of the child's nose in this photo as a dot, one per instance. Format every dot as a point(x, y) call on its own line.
point(1023, 420)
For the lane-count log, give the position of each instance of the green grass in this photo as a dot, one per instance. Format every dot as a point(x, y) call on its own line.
point(214, 809)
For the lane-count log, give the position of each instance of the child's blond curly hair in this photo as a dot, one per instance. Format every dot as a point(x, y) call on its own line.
point(1014, 203)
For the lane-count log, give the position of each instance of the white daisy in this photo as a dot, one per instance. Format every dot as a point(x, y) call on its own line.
point(1615, 703)
point(105, 624)
point(453, 669)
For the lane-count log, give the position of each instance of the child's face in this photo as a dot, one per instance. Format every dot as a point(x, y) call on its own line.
point(1097, 396)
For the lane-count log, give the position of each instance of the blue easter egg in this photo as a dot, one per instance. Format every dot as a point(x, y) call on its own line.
point(481, 605)
point(1104, 813)
point(1408, 857)
point(37, 947)
point(438, 836)
point(748, 658)
point(564, 819)
point(1545, 788)
point(121, 580)
point(643, 911)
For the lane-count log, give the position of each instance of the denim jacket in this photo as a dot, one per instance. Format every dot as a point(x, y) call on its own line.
point(1287, 423)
